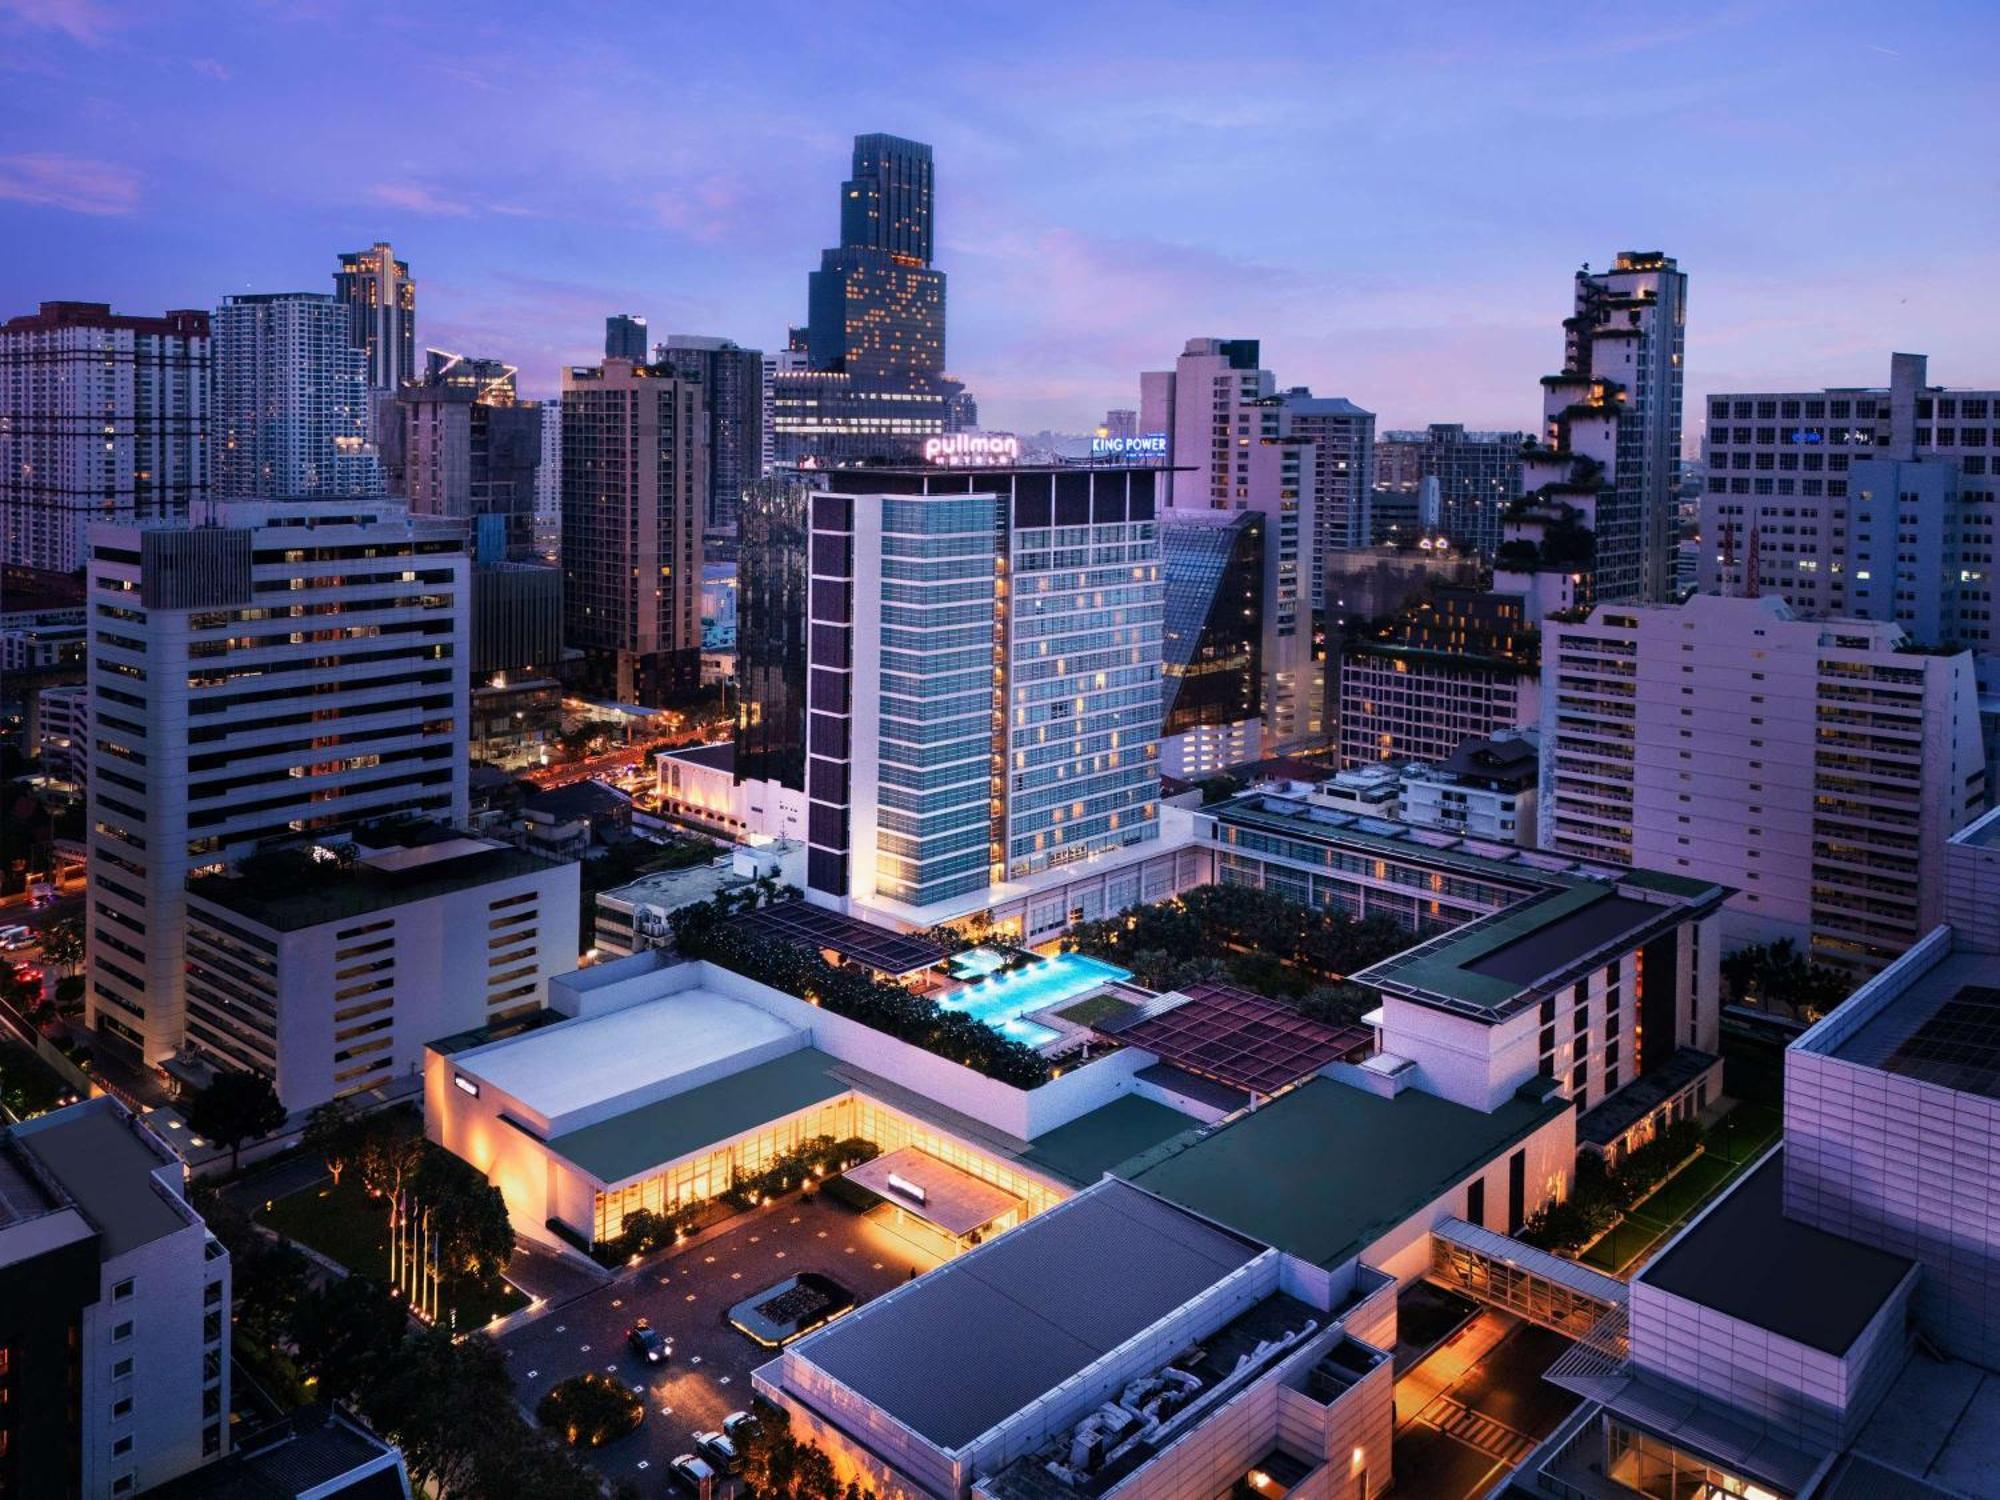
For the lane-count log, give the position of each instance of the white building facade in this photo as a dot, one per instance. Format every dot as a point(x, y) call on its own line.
point(292, 414)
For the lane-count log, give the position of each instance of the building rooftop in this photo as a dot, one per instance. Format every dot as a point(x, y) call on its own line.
point(286, 890)
point(1805, 1284)
point(957, 1352)
point(101, 1157)
point(561, 1069)
point(720, 756)
point(1091, 1145)
point(1324, 1170)
point(803, 925)
point(308, 1454)
point(1941, 1027)
point(579, 799)
point(644, 1138)
point(1605, 1122)
point(1234, 1036)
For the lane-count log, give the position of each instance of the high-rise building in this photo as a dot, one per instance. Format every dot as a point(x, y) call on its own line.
point(291, 400)
point(625, 338)
point(1214, 395)
point(114, 1310)
point(381, 302)
point(1213, 648)
point(875, 332)
point(733, 378)
point(1477, 474)
point(1816, 767)
point(1119, 422)
point(985, 680)
point(771, 577)
point(548, 483)
point(786, 361)
point(1597, 518)
point(1456, 665)
point(1343, 439)
point(103, 417)
point(635, 484)
point(458, 443)
point(290, 669)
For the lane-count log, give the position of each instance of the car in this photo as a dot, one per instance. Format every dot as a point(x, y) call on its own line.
point(692, 1474)
point(15, 936)
point(719, 1450)
point(646, 1341)
point(741, 1426)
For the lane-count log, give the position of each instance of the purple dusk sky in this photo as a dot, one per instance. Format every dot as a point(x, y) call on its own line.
point(1392, 197)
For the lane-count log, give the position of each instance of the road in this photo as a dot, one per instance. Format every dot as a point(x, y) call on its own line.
point(687, 1295)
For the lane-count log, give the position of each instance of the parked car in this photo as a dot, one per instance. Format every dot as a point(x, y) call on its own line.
point(740, 1427)
point(719, 1450)
point(691, 1474)
point(646, 1341)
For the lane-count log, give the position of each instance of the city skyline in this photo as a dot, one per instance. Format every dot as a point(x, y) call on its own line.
point(1449, 185)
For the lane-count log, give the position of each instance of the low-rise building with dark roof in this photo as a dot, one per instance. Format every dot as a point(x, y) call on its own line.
point(313, 1454)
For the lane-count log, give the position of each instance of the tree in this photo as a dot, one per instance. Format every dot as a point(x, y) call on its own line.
point(590, 1410)
point(387, 1151)
point(333, 1134)
point(777, 1464)
point(235, 1108)
point(269, 1279)
point(347, 1333)
point(466, 1213)
point(448, 1404)
point(62, 943)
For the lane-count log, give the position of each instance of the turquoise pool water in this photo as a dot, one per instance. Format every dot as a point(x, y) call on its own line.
point(1001, 1000)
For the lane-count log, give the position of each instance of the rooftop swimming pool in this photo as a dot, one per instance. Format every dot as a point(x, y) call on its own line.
point(1002, 1000)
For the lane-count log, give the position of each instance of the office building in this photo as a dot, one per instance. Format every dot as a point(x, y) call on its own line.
point(214, 732)
point(1477, 476)
point(457, 442)
point(985, 678)
point(1343, 439)
point(787, 360)
point(772, 574)
point(625, 338)
point(1826, 1327)
point(103, 417)
point(328, 969)
point(1815, 767)
point(1485, 790)
point(875, 329)
point(1597, 518)
point(381, 302)
point(733, 378)
point(114, 1310)
point(62, 734)
point(635, 483)
point(517, 620)
point(1212, 398)
point(1213, 650)
point(291, 416)
point(1451, 666)
point(548, 483)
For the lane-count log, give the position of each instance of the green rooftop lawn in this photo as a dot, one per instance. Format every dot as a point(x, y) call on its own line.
point(1098, 1009)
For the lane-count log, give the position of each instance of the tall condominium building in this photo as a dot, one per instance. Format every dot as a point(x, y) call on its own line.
point(1456, 665)
point(458, 443)
point(291, 402)
point(114, 1310)
point(786, 361)
point(1213, 651)
point(635, 484)
point(1597, 517)
point(734, 380)
point(875, 334)
point(771, 578)
point(548, 483)
point(381, 302)
point(103, 417)
point(985, 680)
point(1816, 767)
point(1477, 475)
point(625, 338)
point(1343, 439)
point(1211, 407)
point(289, 669)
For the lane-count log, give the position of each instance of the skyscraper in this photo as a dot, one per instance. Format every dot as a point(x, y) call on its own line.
point(1343, 439)
point(1213, 646)
point(985, 681)
point(103, 417)
point(625, 337)
point(771, 575)
point(875, 321)
point(1478, 475)
point(733, 378)
point(381, 302)
point(220, 641)
point(458, 443)
point(290, 415)
point(635, 480)
point(548, 482)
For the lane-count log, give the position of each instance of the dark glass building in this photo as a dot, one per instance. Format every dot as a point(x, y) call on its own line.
point(771, 631)
point(1212, 655)
point(625, 337)
point(734, 379)
point(876, 386)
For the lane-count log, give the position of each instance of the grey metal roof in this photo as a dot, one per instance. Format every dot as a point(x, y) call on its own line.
point(1505, 1248)
point(958, 1352)
point(95, 1151)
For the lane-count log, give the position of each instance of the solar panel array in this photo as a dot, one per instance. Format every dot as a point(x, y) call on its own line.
point(1959, 1046)
point(804, 925)
point(1243, 1038)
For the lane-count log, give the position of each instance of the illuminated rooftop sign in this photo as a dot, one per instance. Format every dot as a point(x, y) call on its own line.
point(973, 449)
point(1151, 445)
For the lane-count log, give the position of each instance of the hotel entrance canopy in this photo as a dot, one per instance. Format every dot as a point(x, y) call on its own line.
point(954, 1202)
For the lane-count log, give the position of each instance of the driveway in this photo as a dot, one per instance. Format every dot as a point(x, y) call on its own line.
point(687, 1295)
point(1475, 1406)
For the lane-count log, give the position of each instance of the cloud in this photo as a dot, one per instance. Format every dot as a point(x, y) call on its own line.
point(83, 21)
point(76, 183)
point(708, 210)
point(208, 67)
point(416, 198)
